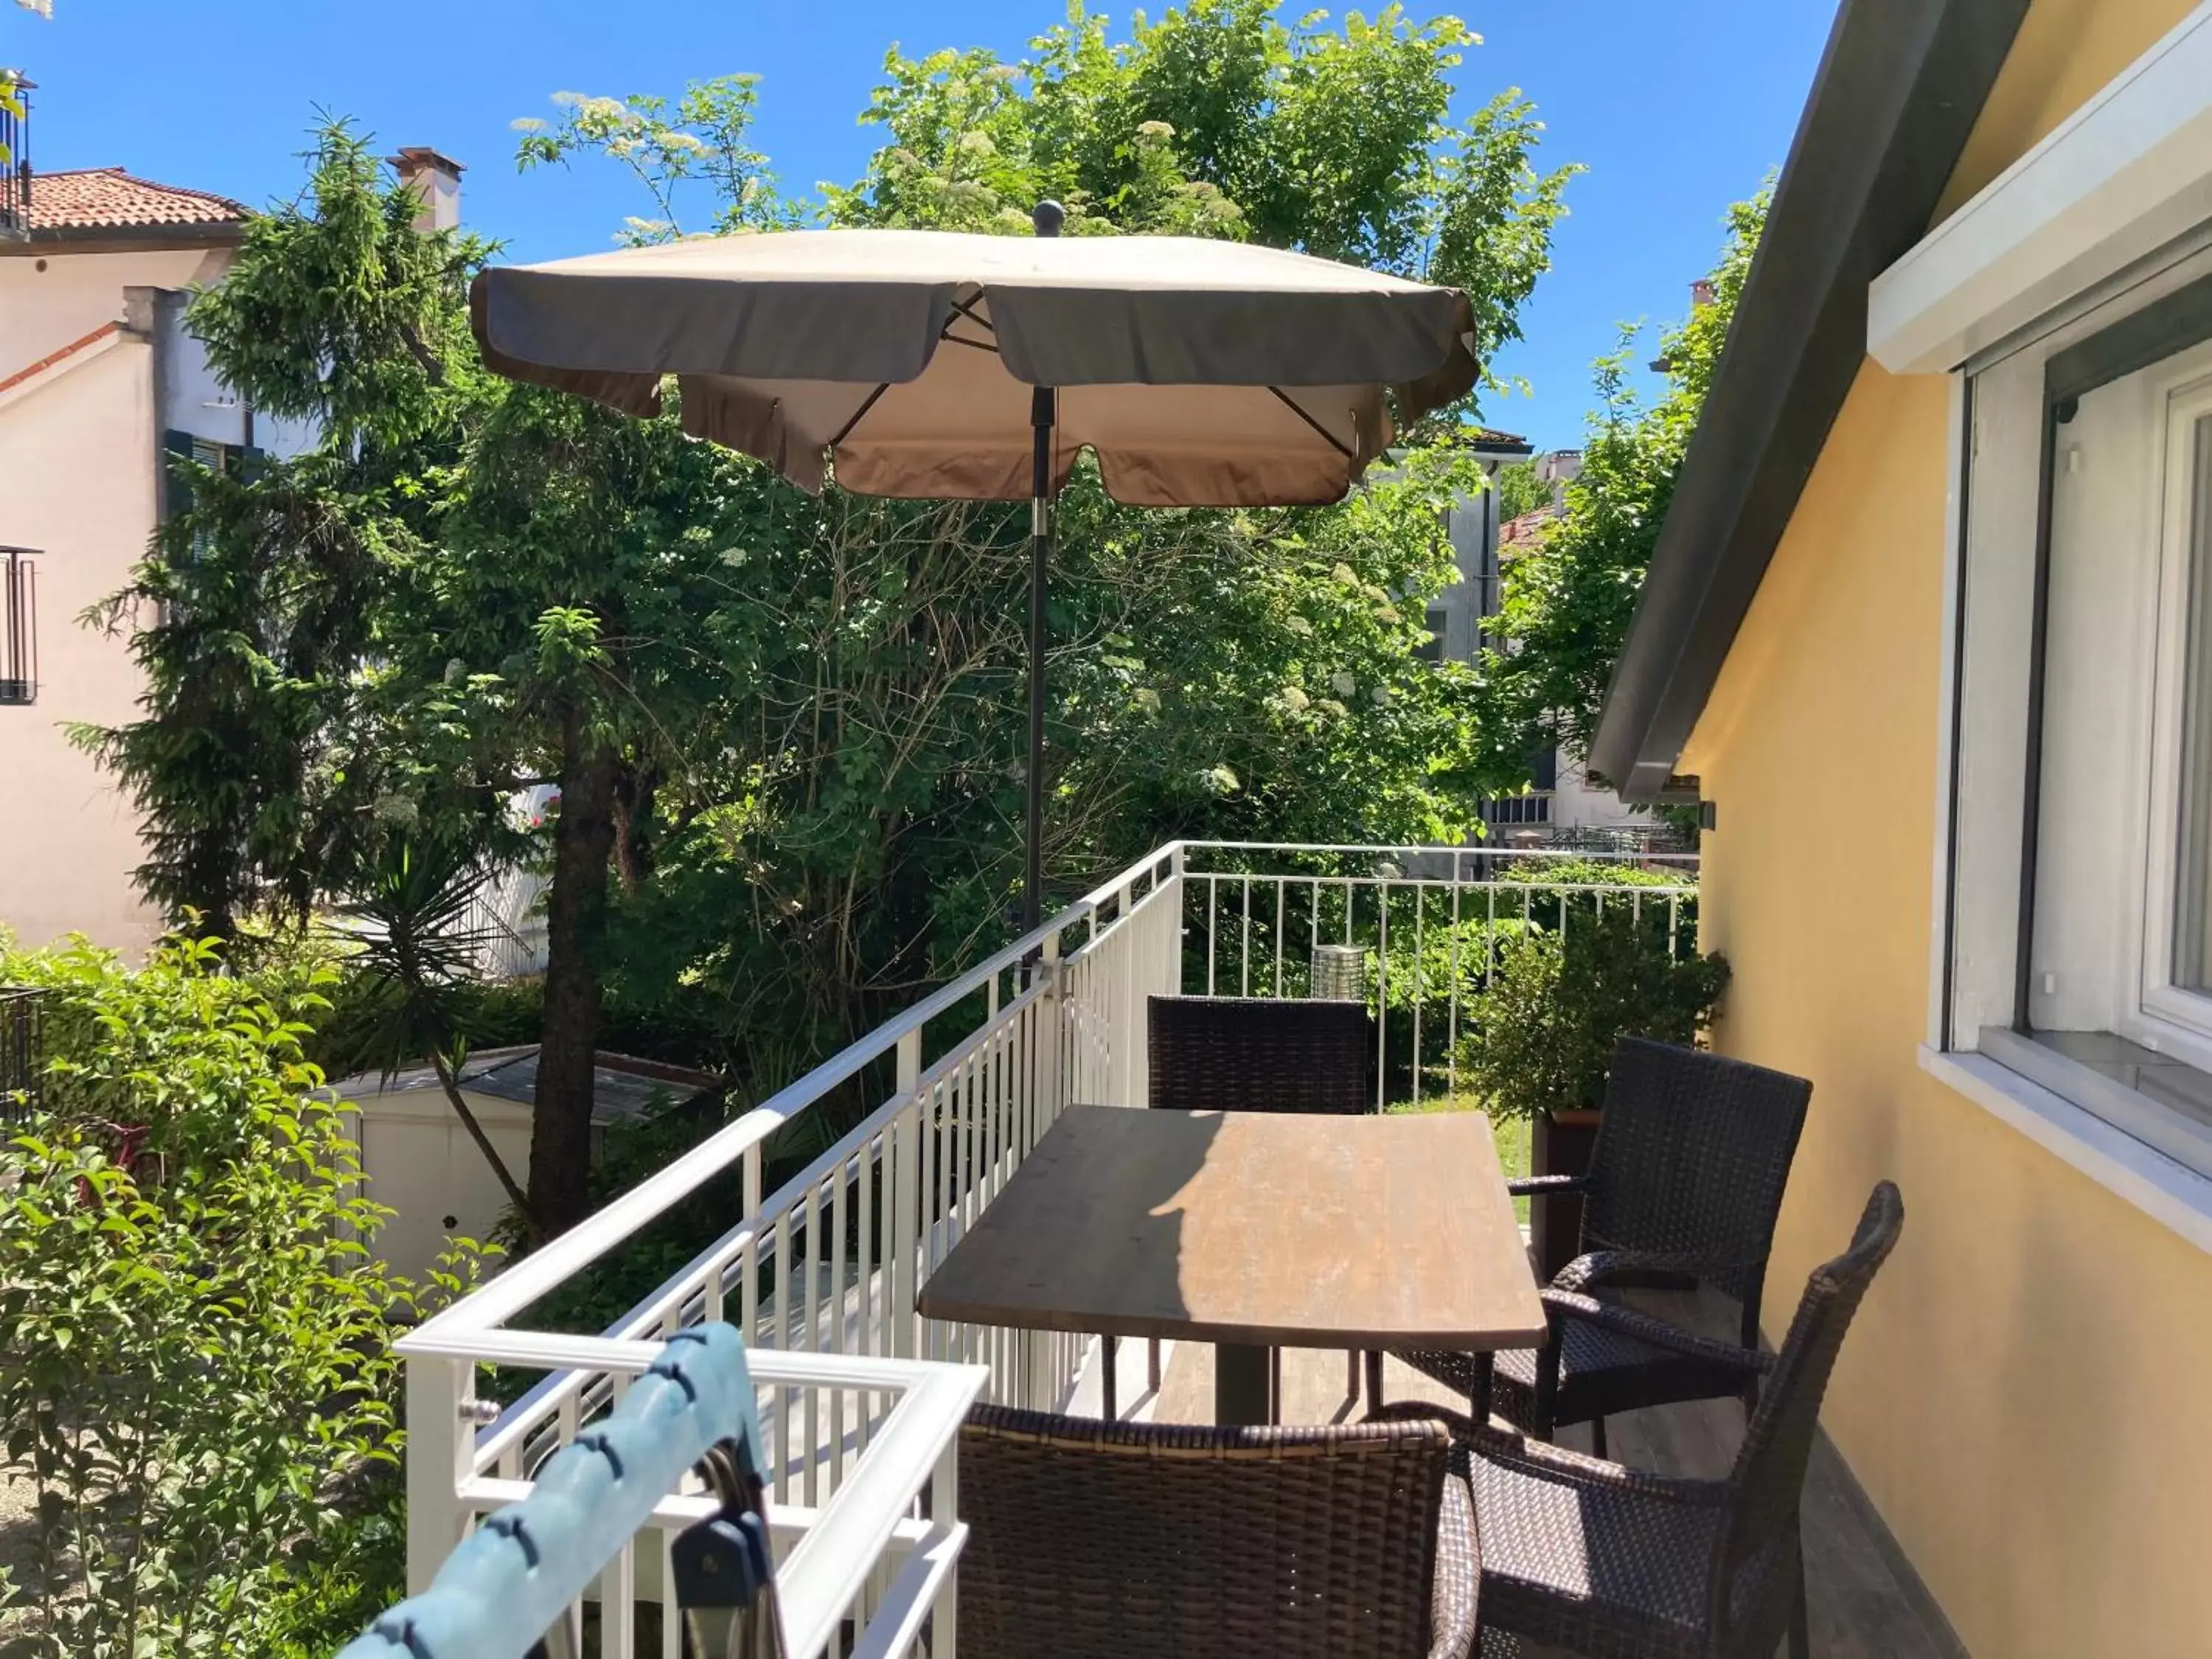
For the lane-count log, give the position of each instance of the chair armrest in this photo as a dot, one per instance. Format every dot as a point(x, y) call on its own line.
point(1598, 1266)
point(1658, 1332)
point(1540, 1457)
point(1546, 1186)
point(1556, 1462)
point(1458, 1574)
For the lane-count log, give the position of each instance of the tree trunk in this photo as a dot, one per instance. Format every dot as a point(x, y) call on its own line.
point(576, 921)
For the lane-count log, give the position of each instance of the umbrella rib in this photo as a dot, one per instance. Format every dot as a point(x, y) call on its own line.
point(977, 345)
point(967, 308)
point(1334, 442)
point(867, 404)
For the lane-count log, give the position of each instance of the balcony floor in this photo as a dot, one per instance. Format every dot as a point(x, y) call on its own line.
point(1864, 1604)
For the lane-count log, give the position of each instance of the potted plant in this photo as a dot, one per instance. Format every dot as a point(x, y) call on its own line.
point(1543, 1030)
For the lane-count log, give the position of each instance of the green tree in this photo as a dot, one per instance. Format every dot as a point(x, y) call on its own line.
point(1519, 490)
point(1566, 606)
point(786, 732)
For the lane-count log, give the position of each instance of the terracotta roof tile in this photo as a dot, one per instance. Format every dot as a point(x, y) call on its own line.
point(98, 198)
point(1523, 534)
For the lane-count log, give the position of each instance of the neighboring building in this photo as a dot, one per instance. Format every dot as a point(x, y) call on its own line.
point(1558, 468)
point(1456, 615)
point(100, 382)
point(1567, 804)
point(1928, 618)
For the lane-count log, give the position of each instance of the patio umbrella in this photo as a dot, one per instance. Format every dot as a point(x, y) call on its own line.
point(935, 365)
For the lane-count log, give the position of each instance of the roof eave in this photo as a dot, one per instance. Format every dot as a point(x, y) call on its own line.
point(122, 238)
point(1900, 85)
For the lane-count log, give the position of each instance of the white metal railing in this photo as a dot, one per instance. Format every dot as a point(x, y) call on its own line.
point(825, 1271)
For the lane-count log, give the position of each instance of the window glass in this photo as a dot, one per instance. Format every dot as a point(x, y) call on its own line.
point(2192, 887)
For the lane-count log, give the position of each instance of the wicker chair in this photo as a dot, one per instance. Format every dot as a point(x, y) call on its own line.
point(1255, 1055)
point(1260, 1055)
point(1105, 1540)
point(1684, 1185)
point(1585, 1555)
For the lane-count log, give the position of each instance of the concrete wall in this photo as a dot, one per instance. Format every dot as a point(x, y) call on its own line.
point(2024, 1395)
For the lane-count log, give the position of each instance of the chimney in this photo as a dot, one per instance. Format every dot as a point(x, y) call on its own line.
point(436, 178)
point(1701, 292)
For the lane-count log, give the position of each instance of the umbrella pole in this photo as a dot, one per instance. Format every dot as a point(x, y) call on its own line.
point(1041, 424)
point(1047, 218)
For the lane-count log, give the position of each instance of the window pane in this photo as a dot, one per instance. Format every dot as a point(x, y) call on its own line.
point(2192, 887)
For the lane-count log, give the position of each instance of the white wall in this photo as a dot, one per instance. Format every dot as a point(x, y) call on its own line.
point(77, 452)
point(80, 444)
point(42, 311)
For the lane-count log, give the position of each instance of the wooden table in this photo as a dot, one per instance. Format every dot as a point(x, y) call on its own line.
point(1252, 1230)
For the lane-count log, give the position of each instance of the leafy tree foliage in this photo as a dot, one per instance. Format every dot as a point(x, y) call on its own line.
point(1519, 490)
point(786, 732)
point(1566, 607)
point(194, 1349)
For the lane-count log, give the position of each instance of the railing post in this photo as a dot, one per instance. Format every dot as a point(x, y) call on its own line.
point(906, 1200)
point(945, 1508)
point(1055, 1051)
point(441, 1439)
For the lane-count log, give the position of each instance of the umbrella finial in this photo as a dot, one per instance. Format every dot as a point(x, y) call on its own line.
point(1048, 216)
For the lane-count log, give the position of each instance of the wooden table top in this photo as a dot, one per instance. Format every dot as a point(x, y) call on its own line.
point(1277, 1230)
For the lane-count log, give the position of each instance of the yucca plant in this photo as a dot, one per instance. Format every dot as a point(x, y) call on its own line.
point(418, 948)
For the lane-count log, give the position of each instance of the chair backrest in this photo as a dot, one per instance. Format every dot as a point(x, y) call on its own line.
point(1088, 1540)
point(1260, 1055)
point(1692, 1151)
point(1757, 1550)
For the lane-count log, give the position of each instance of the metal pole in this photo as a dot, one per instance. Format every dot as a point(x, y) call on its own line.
point(1047, 218)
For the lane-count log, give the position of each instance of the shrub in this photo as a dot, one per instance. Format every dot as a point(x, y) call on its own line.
point(1544, 1028)
point(195, 1361)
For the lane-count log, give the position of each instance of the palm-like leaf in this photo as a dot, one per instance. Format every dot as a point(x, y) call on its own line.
point(420, 937)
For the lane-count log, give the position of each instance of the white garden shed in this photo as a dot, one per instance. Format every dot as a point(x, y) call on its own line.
point(422, 1163)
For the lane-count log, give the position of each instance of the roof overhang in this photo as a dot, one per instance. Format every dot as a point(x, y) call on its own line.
point(1900, 88)
point(122, 239)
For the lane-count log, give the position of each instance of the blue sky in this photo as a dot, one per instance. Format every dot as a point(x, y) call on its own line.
point(1676, 106)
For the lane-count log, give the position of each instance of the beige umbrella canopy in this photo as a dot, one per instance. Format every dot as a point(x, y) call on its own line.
point(927, 364)
point(1201, 372)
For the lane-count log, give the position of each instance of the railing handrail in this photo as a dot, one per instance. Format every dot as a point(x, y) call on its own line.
point(1583, 854)
point(554, 1263)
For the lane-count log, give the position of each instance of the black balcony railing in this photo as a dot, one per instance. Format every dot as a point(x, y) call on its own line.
point(19, 626)
point(14, 157)
point(1534, 807)
point(23, 1053)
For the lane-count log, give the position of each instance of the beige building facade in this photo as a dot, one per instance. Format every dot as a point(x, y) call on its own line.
point(1921, 622)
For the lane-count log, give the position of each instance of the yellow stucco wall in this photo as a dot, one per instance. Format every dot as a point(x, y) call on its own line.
point(2025, 1395)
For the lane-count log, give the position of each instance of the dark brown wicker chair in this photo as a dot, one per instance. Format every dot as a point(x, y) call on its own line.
point(1258, 1054)
point(1255, 1055)
point(1106, 1541)
point(1684, 1185)
point(1585, 1555)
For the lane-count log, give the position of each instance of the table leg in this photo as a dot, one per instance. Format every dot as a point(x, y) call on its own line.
point(1240, 1385)
point(1478, 1393)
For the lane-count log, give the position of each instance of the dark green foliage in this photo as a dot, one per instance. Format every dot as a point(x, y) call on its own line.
point(1559, 997)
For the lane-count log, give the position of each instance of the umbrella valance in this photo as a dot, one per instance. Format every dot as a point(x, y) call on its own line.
point(1199, 373)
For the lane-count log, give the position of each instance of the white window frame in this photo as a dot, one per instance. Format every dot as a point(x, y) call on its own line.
point(2164, 1009)
point(2106, 216)
point(2001, 492)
